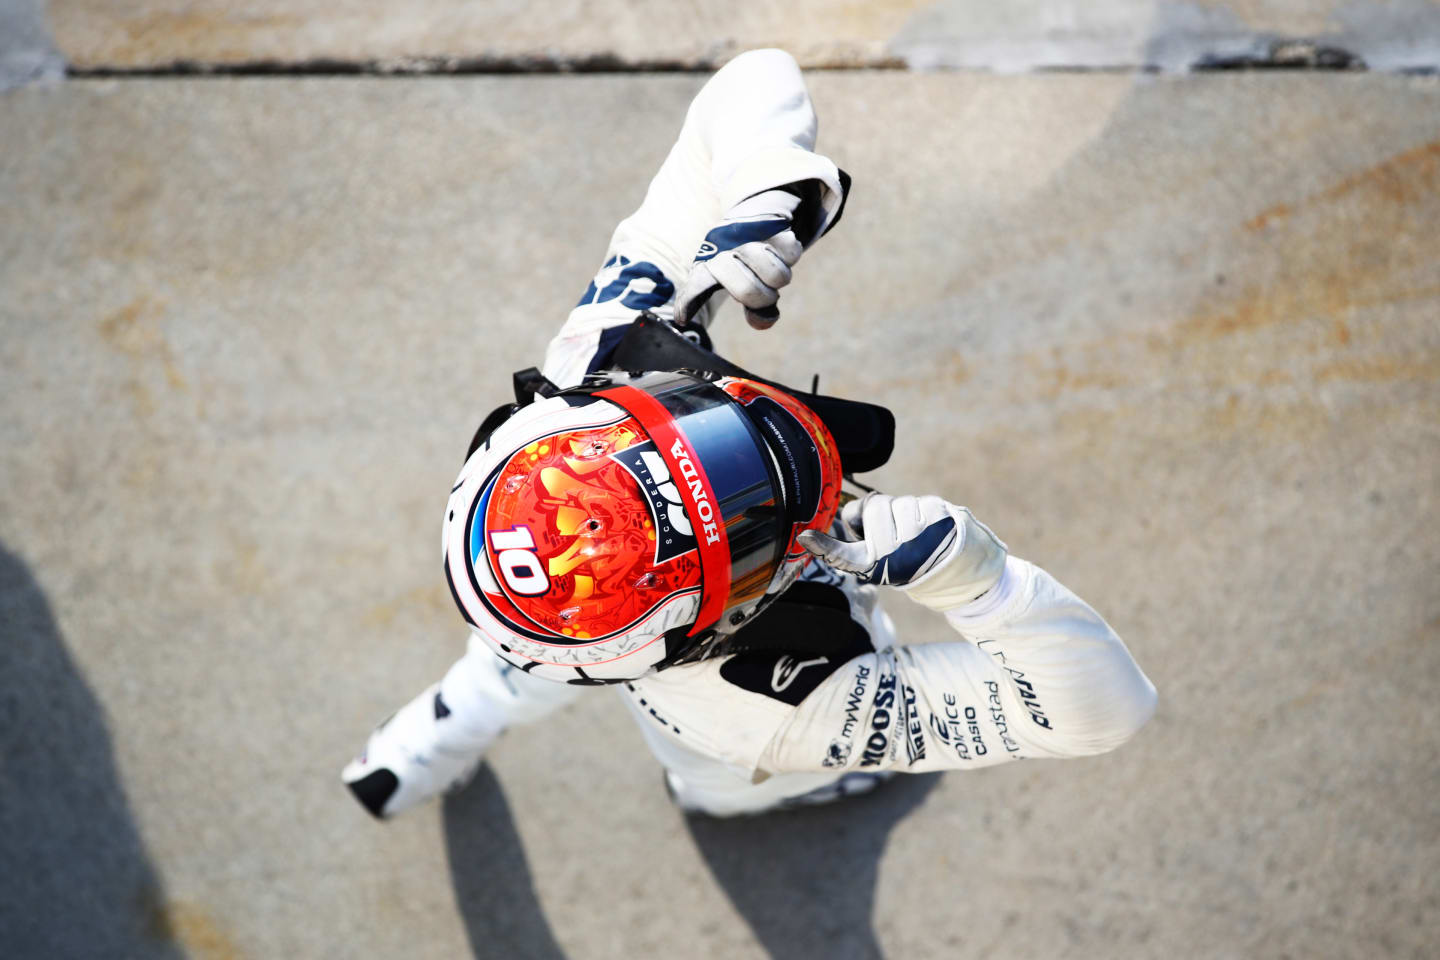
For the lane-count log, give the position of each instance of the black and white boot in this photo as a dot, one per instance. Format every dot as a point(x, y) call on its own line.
point(408, 760)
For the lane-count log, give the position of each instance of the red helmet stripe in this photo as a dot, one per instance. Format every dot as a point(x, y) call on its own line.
point(710, 536)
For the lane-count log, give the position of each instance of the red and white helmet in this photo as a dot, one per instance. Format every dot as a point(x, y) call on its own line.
point(601, 534)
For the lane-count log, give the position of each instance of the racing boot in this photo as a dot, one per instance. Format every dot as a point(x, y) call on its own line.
point(853, 784)
point(700, 801)
point(413, 756)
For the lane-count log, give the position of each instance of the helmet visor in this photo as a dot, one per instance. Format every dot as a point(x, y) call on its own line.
point(711, 482)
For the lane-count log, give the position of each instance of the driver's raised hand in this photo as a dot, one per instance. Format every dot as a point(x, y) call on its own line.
point(749, 255)
point(930, 548)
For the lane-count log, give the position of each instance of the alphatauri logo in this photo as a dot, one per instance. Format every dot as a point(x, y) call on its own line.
point(673, 533)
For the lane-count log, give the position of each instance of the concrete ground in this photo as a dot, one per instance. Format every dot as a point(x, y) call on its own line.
point(1174, 338)
point(1015, 35)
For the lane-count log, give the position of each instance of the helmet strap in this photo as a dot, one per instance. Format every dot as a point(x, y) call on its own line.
point(808, 618)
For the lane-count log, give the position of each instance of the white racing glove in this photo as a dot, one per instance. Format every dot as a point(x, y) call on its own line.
point(749, 254)
point(937, 552)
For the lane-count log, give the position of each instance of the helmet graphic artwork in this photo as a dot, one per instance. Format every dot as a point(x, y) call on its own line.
point(605, 532)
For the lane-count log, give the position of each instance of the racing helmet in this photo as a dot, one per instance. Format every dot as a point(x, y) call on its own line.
point(611, 530)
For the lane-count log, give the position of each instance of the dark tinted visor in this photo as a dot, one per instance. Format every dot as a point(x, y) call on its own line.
point(726, 480)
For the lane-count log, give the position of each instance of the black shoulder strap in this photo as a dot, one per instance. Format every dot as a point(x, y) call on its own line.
point(652, 344)
point(529, 383)
point(809, 617)
point(864, 432)
point(802, 638)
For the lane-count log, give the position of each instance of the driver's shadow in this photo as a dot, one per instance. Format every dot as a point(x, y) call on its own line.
point(501, 919)
point(804, 879)
point(78, 880)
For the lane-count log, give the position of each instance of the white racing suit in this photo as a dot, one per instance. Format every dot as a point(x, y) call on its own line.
point(1034, 672)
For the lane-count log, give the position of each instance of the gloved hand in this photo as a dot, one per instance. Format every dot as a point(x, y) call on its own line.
point(749, 254)
point(937, 552)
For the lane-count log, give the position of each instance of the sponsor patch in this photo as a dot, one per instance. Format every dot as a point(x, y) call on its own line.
point(674, 535)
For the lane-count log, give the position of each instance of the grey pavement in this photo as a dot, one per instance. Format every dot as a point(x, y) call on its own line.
point(1170, 35)
point(27, 51)
point(1174, 338)
point(1014, 36)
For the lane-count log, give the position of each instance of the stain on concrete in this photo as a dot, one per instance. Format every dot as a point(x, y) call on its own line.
point(1339, 334)
point(122, 328)
point(1405, 178)
point(134, 331)
point(1359, 243)
point(430, 599)
point(1266, 306)
point(1350, 268)
point(226, 34)
point(1266, 217)
point(956, 369)
point(188, 925)
point(1381, 369)
point(243, 570)
point(1053, 376)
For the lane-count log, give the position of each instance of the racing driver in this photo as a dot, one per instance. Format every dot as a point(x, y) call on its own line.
point(675, 529)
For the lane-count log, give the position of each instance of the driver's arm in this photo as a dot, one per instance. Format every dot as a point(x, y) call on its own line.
point(1035, 671)
point(750, 129)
